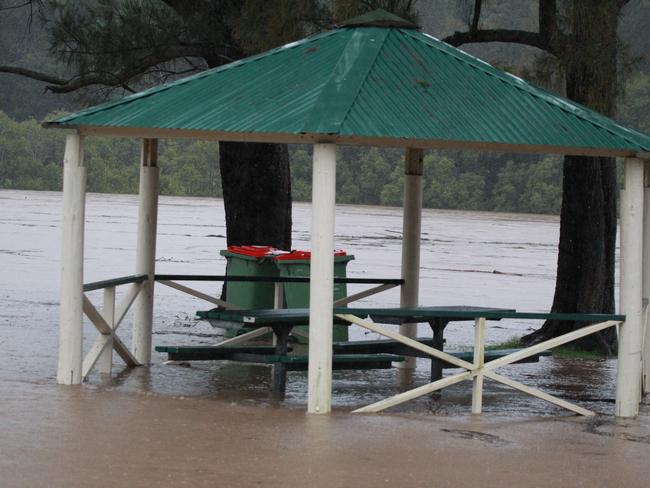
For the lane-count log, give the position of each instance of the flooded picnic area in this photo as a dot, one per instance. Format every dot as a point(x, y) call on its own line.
point(190, 413)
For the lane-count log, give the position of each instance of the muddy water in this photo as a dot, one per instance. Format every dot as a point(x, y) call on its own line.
point(468, 258)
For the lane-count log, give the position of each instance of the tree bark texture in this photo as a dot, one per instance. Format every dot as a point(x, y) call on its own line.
point(586, 258)
point(257, 193)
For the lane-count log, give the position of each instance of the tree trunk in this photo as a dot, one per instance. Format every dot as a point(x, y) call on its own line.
point(586, 258)
point(257, 193)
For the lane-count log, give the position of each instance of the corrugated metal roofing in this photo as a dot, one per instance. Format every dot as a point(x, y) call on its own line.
point(366, 83)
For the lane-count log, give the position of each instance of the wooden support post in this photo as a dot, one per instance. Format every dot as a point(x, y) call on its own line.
point(72, 262)
point(279, 382)
point(278, 295)
point(437, 327)
point(146, 250)
point(411, 231)
point(646, 279)
point(321, 282)
point(628, 384)
point(105, 361)
point(479, 359)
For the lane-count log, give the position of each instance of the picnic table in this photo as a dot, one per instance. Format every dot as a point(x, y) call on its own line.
point(482, 365)
point(367, 354)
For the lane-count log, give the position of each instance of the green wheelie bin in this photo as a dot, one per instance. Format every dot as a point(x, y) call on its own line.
point(296, 295)
point(254, 261)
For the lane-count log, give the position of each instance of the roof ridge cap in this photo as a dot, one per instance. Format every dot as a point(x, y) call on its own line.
point(365, 79)
point(340, 111)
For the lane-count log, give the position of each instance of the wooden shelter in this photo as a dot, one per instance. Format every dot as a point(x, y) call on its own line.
point(375, 80)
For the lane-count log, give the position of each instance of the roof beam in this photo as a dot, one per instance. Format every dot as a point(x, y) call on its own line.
point(153, 133)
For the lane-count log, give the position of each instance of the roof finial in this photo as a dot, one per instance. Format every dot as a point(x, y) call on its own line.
point(378, 18)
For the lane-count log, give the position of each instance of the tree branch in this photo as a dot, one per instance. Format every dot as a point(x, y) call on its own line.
point(533, 39)
point(35, 75)
point(549, 38)
point(59, 85)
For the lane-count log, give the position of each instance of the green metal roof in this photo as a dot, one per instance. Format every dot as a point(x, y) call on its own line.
point(364, 84)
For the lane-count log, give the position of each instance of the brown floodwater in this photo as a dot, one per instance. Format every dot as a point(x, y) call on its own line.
point(152, 424)
point(54, 436)
point(471, 258)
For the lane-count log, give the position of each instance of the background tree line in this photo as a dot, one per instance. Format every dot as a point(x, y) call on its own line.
point(30, 158)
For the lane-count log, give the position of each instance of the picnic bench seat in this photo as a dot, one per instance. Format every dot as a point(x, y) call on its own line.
point(267, 355)
point(211, 353)
point(347, 355)
point(394, 347)
point(339, 361)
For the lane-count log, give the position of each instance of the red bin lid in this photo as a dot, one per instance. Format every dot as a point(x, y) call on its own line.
point(303, 255)
point(253, 251)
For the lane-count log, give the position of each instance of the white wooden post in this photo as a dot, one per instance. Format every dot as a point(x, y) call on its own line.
point(628, 385)
point(72, 263)
point(646, 280)
point(105, 360)
point(411, 233)
point(146, 250)
point(321, 282)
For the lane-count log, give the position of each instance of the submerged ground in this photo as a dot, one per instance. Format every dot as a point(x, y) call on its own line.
point(58, 437)
point(217, 424)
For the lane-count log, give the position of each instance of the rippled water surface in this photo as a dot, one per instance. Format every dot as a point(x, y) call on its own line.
point(468, 258)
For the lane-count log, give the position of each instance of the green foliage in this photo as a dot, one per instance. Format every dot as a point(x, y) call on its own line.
point(27, 155)
point(301, 174)
point(529, 187)
point(190, 168)
point(31, 158)
point(574, 352)
point(447, 186)
point(457, 180)
point(511, 343)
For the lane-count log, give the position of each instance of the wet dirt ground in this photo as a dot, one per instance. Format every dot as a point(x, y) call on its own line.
point(217, 424)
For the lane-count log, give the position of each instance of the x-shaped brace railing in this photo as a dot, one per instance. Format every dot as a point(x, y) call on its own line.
point(107, 321)
point(476, 370)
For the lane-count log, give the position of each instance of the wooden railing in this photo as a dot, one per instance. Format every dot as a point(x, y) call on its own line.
point(171, 280)
point(110, 317)
point(477, 370)
point(107, 321)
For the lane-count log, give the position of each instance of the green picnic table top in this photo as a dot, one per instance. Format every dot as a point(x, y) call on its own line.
point(424, 314)
point(299, 316)
point(261, 317)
